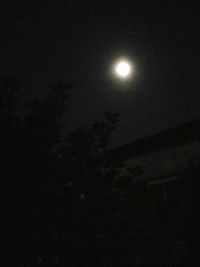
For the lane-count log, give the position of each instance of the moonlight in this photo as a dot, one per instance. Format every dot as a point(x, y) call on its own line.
point(123, 69)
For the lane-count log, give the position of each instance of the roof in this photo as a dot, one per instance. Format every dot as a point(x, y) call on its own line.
point(181, 134)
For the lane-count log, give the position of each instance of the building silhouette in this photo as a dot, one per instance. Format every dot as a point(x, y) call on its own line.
point(163, 156)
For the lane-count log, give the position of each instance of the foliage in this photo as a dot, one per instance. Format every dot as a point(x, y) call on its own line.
point(63, 201)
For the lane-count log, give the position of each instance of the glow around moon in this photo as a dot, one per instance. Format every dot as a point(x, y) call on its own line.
point(123, 69)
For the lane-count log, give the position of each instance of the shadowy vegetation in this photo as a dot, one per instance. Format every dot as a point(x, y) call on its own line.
point(64, 204)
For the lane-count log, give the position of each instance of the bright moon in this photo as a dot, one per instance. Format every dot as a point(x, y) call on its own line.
point(123, 69)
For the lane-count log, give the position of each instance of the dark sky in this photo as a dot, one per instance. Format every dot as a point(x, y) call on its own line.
point(42, 41)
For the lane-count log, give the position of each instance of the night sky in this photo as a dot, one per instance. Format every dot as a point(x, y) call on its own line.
point(43, 41)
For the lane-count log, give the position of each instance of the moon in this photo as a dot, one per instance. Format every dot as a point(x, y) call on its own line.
point(123, 69)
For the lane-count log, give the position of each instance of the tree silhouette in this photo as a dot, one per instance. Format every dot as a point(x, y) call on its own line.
point(65, 202)
point(54, 189)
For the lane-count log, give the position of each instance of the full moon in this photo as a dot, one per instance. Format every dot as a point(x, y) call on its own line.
point(123, 69)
